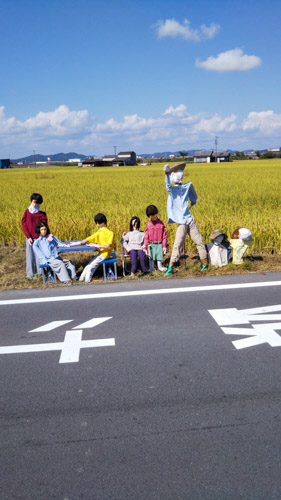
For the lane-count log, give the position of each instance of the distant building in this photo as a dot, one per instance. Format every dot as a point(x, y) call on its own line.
point(274, 150)
point(122, 159)
point(5, 163)
point(126, 158)
point(202, 156)
point(211, 156)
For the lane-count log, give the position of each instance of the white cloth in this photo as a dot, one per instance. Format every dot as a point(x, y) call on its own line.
point(245, 234)
point(177, 177)
point(33, 210)
point(218, 256)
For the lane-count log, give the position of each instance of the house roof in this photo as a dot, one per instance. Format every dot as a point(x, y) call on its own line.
point(202, 154)
point(221, 153)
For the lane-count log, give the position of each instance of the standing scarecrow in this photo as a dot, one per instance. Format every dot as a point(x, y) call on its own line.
point(178, 212)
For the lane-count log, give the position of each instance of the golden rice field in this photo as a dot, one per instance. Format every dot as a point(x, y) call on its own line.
point(244, 193)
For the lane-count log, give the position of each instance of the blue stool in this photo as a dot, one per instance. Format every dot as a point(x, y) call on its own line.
point(110, 273)
point(50, 274)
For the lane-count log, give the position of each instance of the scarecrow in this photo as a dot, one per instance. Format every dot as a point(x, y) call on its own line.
point(179, 212)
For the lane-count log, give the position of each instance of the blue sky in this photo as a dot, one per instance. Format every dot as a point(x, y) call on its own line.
point(142, 75)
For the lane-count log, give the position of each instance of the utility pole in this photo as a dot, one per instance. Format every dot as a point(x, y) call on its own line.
point(216, 143)
point(115, 148)
point(34, 158)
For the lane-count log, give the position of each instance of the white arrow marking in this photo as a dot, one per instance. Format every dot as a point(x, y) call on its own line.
point(92, 322)
point(70, 348)
point(51, 326)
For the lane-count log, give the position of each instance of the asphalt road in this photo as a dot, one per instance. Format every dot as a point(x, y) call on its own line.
point(142, 390)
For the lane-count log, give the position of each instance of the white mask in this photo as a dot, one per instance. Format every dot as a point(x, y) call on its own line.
point(177, 177)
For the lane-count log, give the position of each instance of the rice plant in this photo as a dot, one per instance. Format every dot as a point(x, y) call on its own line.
point(244, 193)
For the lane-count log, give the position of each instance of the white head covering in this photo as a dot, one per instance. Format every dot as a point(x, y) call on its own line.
point(245, 234)
point(177, 177)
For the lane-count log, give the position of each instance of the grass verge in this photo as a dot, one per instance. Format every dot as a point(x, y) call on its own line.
point(12, 269)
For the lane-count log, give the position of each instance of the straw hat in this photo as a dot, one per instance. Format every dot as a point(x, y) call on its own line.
point(178, 166)
point(216, 233)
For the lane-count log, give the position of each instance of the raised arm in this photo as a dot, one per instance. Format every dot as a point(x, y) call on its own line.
point(167, 178)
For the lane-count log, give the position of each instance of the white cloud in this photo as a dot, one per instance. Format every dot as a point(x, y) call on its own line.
point(216, 123)
point(265, 122)
point(180, 110)
point(172, 28)
point(61, 122)
point(231, 60)
point(63, 129)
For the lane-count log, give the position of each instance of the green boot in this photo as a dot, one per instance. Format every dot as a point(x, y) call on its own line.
point(169, 272)
point(204, 267)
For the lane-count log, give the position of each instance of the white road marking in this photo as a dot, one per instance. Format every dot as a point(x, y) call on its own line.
point(92, 322)
point(70, 348)
point(51, 326)
point(135, 293)
point(232, 316)
point(258, 333)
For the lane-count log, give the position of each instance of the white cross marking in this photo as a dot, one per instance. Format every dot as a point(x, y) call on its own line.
point(70, 348)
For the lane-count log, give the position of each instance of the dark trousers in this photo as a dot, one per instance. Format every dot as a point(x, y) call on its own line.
point(135, 254)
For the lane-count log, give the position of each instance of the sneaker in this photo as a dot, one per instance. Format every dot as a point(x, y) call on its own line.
point(204, 267)
point(67, 283)
point(132, 275)
point(169, 272)
point(162, 268)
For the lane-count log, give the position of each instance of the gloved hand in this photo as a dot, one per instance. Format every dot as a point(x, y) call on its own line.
point(166, 169)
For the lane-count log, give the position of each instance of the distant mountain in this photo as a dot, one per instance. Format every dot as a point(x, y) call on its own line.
point(60, 157)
